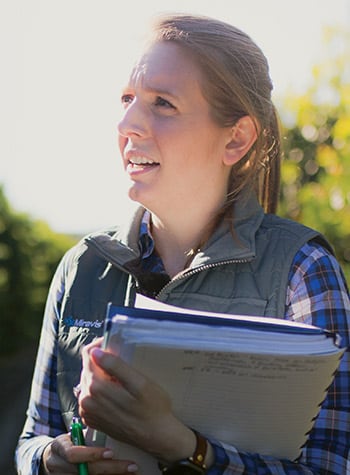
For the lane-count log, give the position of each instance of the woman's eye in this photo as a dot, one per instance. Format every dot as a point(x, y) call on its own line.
point(163, 103)
point(127, 99)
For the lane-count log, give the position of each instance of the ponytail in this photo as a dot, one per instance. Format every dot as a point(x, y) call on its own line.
point(269, 185)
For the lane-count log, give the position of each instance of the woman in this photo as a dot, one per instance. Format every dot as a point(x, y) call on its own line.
point(200, 143)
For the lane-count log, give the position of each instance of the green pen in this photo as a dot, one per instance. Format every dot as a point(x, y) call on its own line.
point(77, 437)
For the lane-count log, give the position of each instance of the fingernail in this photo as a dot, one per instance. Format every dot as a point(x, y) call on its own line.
point(108, 454)
point(133, 467)
point(97, 353)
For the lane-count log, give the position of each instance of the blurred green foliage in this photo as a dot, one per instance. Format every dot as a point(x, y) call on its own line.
point(316, 168)
point(29, 254)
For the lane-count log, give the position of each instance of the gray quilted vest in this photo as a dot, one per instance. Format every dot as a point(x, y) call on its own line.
point(253, 282)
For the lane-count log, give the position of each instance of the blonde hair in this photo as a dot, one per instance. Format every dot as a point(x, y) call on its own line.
point(235, 83)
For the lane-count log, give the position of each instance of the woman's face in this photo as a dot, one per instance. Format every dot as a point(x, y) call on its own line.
point(171, 148)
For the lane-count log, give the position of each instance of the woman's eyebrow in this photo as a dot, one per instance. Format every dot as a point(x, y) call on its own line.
point(160, 91)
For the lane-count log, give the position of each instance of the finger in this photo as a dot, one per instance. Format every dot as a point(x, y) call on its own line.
point(95, 343)
point(63, 447)
point(86, 350)
point(130, 378)
point(100, 459)
point(91, 371)
point(53, 462)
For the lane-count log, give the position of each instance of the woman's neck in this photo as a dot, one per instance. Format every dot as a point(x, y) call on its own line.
point(177, 240)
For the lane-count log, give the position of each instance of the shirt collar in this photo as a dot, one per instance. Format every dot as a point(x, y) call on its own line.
point(146, 241)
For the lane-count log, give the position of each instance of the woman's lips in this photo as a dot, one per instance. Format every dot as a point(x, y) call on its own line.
point(140, 167)
point(139, 163)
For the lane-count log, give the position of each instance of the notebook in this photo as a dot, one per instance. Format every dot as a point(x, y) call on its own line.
point(252, 382)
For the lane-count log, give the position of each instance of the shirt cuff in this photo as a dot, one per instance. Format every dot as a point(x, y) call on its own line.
point(29, 453)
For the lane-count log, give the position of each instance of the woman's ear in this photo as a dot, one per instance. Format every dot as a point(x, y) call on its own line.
point(242, 138)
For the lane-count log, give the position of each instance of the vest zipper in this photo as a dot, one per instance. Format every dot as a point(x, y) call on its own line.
point(179, 276)
point(191, 272)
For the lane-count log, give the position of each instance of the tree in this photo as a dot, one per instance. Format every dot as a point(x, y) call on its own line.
point(316, 169)
point(29, 253)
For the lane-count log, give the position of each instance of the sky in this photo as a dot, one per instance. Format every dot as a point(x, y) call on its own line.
point(64, 63)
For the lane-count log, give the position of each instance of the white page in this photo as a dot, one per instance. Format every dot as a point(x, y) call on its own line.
point(253, 394)
point(141, 301)
point(194, 335)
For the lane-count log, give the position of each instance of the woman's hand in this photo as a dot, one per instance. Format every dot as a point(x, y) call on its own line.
point(121, 402)
point(61, 457)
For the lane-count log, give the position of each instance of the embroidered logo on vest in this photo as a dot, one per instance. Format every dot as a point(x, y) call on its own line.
point(81, 323)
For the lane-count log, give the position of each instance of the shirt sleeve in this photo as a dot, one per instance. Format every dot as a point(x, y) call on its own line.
point(44, 421)
point(317, 294)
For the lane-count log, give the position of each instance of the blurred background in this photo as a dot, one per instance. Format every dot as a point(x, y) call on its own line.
point(64, 63)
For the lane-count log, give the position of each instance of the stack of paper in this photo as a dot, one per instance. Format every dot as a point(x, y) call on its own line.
point(252, 382)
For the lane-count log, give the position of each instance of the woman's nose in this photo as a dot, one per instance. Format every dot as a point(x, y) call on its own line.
point(133, 120)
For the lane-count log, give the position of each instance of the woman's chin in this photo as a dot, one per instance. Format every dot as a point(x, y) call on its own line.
point(151, 203)
point(139, 195)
